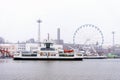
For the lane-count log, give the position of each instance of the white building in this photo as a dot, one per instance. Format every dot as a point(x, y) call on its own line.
point(31, 46)
point(26, 46)
point(20, 46)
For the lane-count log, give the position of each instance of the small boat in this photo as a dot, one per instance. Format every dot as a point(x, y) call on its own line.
point(95, 57)
point(48, 51)
point(88, 55)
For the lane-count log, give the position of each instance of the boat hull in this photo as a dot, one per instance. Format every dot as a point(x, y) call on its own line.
point(95, 57)
point(62, 59)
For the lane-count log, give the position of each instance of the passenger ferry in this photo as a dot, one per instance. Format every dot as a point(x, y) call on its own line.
point(48, 52)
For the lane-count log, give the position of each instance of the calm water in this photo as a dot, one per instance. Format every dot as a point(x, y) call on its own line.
point(100, 69)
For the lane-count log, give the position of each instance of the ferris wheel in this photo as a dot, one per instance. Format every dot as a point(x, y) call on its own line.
point(88, 33)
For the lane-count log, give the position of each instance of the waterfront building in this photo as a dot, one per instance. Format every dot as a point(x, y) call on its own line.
point(20, 46)
point(31, 46)
point(7, 49)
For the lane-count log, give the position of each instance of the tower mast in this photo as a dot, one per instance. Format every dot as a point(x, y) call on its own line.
point(39, 21)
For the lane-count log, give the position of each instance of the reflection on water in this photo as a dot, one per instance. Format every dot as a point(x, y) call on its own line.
point(100, 69)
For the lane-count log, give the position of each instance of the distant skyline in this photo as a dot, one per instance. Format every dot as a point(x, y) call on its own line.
point(18, 18)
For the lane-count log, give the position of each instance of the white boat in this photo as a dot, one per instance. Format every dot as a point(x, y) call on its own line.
point(89, 55)
point(48, 52)
point(95, 57)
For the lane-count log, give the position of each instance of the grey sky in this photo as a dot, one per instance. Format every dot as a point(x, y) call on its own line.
point(18, 18)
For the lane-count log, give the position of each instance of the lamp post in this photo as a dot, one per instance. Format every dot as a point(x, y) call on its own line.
point(39, 21)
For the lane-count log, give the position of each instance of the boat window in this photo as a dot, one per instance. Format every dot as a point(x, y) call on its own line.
point(43, 54)
point(29, 54)
point(60, 51)
point(52, 49)
point(35, 52)
point(48, 45)
point(52, 54)
point(66, 55)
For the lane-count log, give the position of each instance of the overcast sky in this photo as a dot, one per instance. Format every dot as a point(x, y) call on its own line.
point(18, 18)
